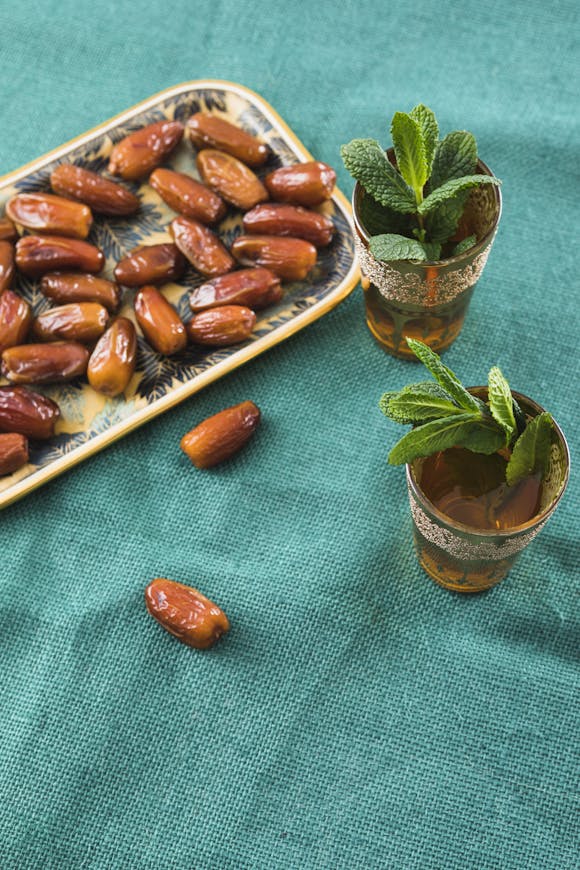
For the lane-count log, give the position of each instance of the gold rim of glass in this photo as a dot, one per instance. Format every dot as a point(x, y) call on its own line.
point(359, 191)
point(514, 530)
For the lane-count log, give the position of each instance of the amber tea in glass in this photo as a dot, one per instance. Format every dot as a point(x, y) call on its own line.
point(426, 301)
point(469, 525)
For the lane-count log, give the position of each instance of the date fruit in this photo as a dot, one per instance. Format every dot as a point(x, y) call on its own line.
point(159, 321)
point(202, 248)
point(77, 321)
point(47, 213)
point(112, 362)
point(6, 265)
point(277, 219)
point(67, 287)
point(187, 196)
point(100, 194)
point(13, 452)
point(220, 327)
point(256, 288)
point(52, 363)
point(290, 259)
point(15, 319)
point(303, 183)
point(150, 264)
point(185, 613)
point(36, 255)
point(139, 153)
point(221, 436)
point(231, 179)
point(8, 231)
point(208, 131)
point(27, 413)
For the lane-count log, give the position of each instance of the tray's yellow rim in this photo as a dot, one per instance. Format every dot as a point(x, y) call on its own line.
point(341, 291)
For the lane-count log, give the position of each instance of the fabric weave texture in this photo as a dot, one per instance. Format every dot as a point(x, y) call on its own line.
point(357, 715)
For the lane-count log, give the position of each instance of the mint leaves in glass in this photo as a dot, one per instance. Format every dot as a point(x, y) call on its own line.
point(426, 212)
point(485, 470)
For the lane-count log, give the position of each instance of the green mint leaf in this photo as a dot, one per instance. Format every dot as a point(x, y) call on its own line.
point(432, 250)
point(519, 416)
point(442, 222)
point(417, 404)
point(444, 376)
point(389, 247)
point(500, 402)
point(377, 218)
point(531, 450)
point(455, 156)
point(409, 150)
point(450, 188)
point(433, 393)
point(464, 245)
point(461, 430)
point(384, 403)
point(367, 162)
point(429, 130)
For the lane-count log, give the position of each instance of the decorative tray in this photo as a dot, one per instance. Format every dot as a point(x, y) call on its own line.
point(91, 421)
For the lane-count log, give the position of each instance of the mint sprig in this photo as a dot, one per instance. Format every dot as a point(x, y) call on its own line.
point(501, 402)
point(391, 246)
point(444, 414)
point(532, 449)
point(366, 160)
point(464, 430)
point(417, 403)
point(429, 131)
point(429, 187)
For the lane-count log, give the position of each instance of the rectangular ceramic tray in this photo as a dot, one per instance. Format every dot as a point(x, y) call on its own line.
point(91, 421)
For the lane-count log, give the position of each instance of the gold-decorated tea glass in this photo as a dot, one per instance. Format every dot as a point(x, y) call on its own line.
point(465, 559)
point(426, 300)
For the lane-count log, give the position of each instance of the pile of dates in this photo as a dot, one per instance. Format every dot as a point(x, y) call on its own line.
point(44, 236)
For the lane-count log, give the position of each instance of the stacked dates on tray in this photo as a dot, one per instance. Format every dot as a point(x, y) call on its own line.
point(43, 236)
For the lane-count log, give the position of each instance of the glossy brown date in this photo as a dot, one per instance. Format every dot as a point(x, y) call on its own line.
point(303, 184)
point(208, 131)
point(159, 321)
point(36, 255)
point(6, 265)
point(112, 362)
point(150, 264)
point(187, 196)
point(277, 219)
point(64, 287)
point(77, 321)
point(27, 413)
point(185, 613)
point(52, 363)
point(231, 179)
point(221, 327)
point(256, 288)
point(139, 153)
point(202, 248)
point(8, 232)
point(15, 319)
point(13, 452)
point(47, 213)
point(290, 259)
point(100, 194)
point(219, 437)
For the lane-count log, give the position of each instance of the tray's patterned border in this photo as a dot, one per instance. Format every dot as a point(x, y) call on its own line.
point(90, 421)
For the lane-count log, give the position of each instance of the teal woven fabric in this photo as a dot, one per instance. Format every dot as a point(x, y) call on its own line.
point(357, 715)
